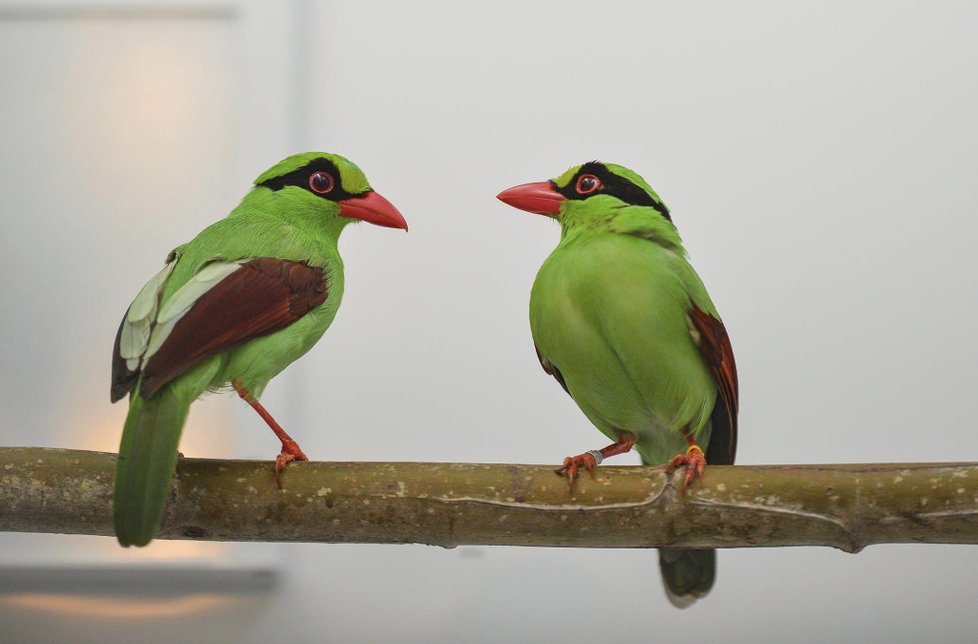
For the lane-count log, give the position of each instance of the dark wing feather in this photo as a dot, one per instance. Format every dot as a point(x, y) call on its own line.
point(715, 348)
point(551, 369)
point(263, 296)
point(123, 378)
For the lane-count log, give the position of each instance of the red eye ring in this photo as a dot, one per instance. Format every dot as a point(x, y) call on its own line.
point(321, 182)
point(586, 184)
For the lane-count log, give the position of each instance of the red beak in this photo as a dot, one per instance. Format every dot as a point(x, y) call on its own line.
point(373, 209)
point(539, 197)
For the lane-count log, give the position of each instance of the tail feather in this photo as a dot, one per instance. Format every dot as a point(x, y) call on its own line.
point(147, 460)
point(687, 574)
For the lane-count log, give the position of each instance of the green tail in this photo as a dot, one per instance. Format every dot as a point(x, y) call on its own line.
point(687, 574)
point(147, 460)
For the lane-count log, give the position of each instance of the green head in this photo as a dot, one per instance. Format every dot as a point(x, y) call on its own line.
point(325, 185)
point(588, 194)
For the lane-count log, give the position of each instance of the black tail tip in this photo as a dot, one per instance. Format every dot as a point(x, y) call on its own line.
point(687, 575)
point(127, 538)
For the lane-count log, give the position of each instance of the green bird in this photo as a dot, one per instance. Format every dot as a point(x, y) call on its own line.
point(234, 306)
point(622, 321)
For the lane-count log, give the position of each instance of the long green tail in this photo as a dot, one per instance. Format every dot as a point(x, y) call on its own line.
point(687, 574)
point(147, 460)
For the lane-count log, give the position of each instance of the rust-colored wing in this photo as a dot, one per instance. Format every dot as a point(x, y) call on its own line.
point(715, 347)
point(264, 295)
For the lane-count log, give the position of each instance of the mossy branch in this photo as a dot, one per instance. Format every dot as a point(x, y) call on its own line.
point(449, 504)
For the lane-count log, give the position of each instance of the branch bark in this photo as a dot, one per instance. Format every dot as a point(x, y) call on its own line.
point(448, 504)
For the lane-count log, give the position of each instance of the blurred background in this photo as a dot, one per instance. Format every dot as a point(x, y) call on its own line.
point(819, 160)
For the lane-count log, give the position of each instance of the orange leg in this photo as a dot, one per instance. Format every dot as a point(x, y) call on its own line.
point(694, 459)
point(590, 460)
point(290, 449)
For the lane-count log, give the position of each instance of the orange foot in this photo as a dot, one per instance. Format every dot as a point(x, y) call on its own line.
point(571, 464)
point(693, 459)
point(592, 458)
point(290, 452)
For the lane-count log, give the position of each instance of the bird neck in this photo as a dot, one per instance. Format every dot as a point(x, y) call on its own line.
point(315, 217)
point(638, 221)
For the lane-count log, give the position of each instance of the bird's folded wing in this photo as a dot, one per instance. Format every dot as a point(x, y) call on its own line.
point(132, 339)
point(551, 369)
point(223, 306)
point(714, 344)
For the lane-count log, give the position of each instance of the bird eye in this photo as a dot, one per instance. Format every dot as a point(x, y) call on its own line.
point(321, 182)
point(587, 183)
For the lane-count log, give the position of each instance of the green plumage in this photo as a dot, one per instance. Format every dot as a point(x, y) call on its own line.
point(609, 311)
point(687, 574)
point(147, 458)
point(282, 222)
point(612, 315)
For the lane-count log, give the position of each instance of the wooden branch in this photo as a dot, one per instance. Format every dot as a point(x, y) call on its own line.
point(449, 504)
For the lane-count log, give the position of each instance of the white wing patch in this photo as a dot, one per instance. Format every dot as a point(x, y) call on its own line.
point(141, 317)
point(148, 325)
point(183, 300)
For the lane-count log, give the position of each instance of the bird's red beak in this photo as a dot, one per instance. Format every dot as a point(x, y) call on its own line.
point(539, 197)
point(373, 209)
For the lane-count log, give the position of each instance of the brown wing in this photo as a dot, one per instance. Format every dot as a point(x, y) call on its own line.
point(715, 347)
point(263, 296)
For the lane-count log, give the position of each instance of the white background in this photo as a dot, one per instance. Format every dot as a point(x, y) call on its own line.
point(820, 163)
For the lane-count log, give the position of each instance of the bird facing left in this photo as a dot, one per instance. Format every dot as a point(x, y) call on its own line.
point(233, 307)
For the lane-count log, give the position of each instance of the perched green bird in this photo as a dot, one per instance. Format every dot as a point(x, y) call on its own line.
point(622, 321)
point(235, 306)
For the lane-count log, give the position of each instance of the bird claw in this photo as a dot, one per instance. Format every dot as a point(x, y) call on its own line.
point(290, 452)
point(573, 463)
point(694, 460)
